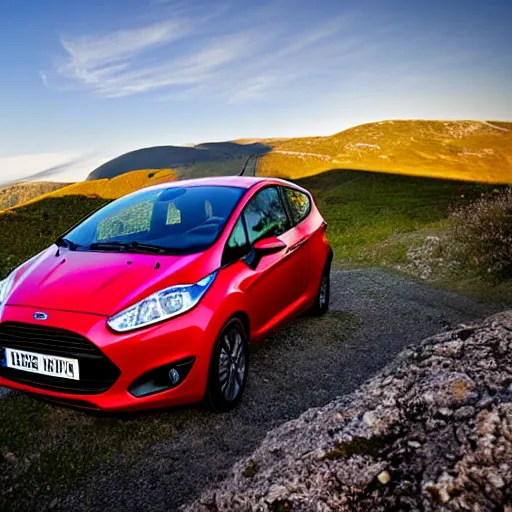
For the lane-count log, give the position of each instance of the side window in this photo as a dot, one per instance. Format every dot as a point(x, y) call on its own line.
point(237, 244)
point(265, 215)
point(299, 203)
point(134, 219)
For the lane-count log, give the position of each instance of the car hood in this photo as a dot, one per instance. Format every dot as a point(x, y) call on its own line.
point(101, 283)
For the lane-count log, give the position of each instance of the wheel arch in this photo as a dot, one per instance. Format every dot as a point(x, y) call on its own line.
point(244, 318)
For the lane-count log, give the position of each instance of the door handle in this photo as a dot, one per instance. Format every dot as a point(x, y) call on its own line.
point(294, 247)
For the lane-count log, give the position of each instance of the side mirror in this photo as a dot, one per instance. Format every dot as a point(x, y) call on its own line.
point(261, 248)
point(269, 245)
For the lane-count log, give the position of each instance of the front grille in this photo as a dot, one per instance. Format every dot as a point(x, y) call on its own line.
point(97, 372)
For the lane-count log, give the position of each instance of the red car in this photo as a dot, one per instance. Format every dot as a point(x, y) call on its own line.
point(153, 299)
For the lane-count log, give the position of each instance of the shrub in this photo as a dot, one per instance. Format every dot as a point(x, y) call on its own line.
point(481, 240)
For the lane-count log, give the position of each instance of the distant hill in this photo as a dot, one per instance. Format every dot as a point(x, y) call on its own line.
point(43, 218)
point(211, 154)
point(11, 195)
point(108, 188)
point(467, 150)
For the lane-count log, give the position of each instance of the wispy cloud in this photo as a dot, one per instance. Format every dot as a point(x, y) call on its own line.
point(229, 58)
point(48, 166)
point(100, 61)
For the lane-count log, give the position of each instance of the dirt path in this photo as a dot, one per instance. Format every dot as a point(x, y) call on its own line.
point(374, 314)
point(496, 127)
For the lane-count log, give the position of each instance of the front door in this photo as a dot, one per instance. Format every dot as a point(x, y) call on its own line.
point(276, 288)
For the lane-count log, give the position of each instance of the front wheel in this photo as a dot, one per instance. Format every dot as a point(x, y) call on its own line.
point(228, 367)
point(321, 304)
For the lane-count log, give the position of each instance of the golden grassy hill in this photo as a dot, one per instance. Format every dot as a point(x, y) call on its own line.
point(28, 228)
point(110, 188)
point(11, 195)
point(464, 150)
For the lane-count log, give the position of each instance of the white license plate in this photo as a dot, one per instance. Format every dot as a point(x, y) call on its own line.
point(44, 365)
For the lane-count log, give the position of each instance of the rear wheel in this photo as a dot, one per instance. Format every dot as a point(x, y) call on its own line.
point(321, 305)
point(228, 367)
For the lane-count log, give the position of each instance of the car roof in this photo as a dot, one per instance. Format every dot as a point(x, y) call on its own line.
point(225, 181)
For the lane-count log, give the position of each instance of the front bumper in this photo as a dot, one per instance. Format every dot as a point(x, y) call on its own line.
point(133, 354)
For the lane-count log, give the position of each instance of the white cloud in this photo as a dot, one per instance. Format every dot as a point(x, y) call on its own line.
point(95, 60)
point(64, 167)
point(214, 56)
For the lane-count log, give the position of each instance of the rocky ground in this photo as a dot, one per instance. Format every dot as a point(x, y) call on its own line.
point(433, 431)
point(309, 363)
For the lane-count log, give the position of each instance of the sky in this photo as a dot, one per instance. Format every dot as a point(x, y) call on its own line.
point(83, 81)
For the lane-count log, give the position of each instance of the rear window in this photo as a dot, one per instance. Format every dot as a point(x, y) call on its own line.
point(299, 203)
point(177, 218)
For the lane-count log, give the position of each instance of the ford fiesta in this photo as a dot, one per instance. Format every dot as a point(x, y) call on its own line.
point(153, 300)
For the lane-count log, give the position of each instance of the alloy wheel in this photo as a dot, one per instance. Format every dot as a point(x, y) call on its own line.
point(232, 362)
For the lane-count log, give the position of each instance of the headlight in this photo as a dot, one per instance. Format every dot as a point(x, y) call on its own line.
point(160, 306)
point(5, 288)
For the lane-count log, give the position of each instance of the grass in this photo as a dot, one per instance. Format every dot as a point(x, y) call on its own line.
point(27, 229)
point(364, 210)
point(45, 448)
point(374, 218)
point(12, 195)
point(461, 150)
point(113, 188)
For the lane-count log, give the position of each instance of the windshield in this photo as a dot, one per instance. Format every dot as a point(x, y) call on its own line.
point(176, 219)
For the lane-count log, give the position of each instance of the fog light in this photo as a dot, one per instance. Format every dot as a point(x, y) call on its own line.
point(174, 376)
point(162, 378)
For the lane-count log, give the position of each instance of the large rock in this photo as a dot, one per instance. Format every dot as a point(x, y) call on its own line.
point(431, 432)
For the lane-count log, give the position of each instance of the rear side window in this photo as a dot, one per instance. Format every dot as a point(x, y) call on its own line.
point(265, 215)
point(300, 204)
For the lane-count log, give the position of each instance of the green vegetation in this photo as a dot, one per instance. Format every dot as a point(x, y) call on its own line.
point(481, 238)
point(376, 219)
point(30, 227)
point(280, 506)
point(28, 230)
point(251, 469)
point(12, 195)
point(113, 188)
point(44, 448)
point(357, 446)
point(364, 210)
point(200, 169)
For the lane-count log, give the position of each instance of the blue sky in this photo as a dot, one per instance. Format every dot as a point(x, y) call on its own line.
point(84, 81)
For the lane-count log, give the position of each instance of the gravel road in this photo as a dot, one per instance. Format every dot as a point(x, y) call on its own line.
point(373, 316)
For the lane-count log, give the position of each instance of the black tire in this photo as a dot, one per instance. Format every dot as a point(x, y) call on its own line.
point(228, 367)
point(321, 305)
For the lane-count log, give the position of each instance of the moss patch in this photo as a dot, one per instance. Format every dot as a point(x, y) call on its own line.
point(357, 446)
point(251, 469)
point(280, 506)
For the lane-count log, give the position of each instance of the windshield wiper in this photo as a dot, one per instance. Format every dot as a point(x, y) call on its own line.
point(66, 242)
point(133, 246)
